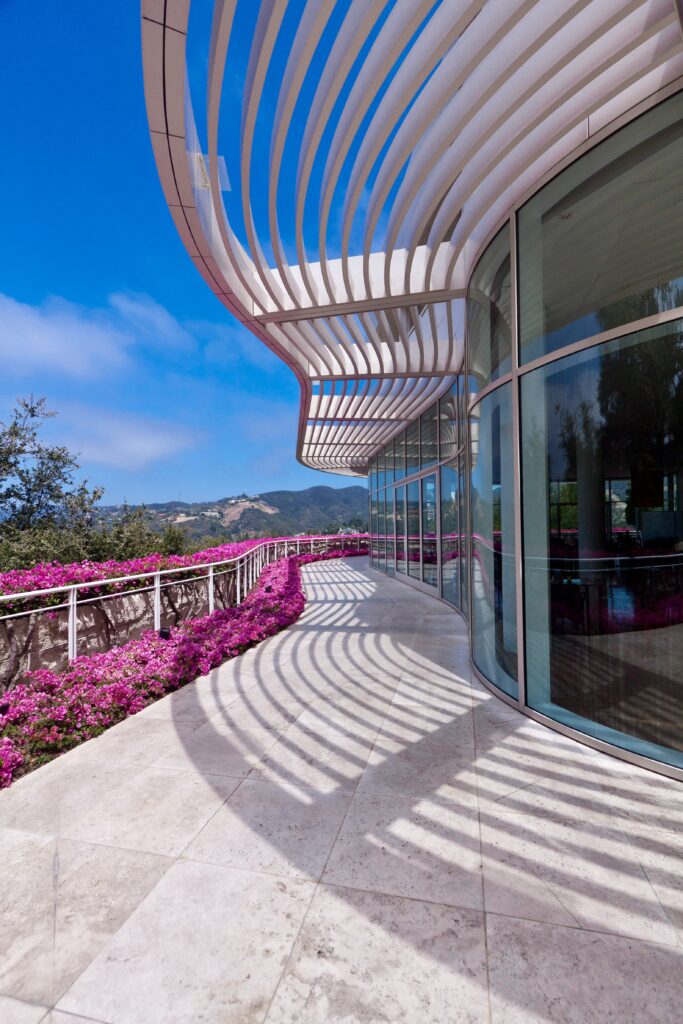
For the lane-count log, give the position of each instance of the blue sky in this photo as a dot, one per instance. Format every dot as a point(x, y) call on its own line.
point(164, 395)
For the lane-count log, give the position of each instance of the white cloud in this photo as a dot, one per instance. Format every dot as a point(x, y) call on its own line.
point(68, 340)
point(228, 344)
point(150, 323)
point(60, 337)
point(114, 438)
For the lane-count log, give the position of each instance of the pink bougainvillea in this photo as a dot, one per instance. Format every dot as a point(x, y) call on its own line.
point(49, 713)
point(53, 574)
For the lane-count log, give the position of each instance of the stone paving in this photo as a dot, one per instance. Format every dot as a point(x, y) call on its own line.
point(341, 826)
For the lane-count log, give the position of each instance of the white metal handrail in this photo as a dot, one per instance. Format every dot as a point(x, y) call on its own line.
point(246, 568)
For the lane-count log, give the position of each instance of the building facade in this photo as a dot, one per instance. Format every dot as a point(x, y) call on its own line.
point(507, 367)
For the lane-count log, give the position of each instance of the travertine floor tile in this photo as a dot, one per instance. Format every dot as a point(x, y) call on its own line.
point(424, 848)
point(60, 793)
point(365, 957)
point(159, 811)
point(218, 748)
point(270, 827)
point(14, 1011)
point(544, 973)
point(59, 902)
point(582, 876)
point(208, 944)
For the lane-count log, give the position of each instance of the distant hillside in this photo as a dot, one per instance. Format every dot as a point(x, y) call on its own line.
point(277, 513)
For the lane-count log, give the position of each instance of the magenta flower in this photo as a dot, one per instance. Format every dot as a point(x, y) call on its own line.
point(49, 712)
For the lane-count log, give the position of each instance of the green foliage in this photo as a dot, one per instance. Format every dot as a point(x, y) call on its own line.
point(45, 515)
point(37, 479)
point(174, 541)
point(131, 536)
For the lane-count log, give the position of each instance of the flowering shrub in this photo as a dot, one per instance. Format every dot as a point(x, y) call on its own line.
point(10, 761)
point(54, 574)
point(49, 713)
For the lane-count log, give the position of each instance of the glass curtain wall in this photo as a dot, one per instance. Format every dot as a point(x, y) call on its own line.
point(390, 541)
point(413, 528)
point(603, 539)
point(601, 247)
point(401, 562)
point(494, 606)
point(553, 466)
point(430, 560)
point(406, 517)
point(450, 535)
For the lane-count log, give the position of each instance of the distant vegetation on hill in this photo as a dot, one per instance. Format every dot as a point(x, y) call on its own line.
point(272, 513)
point(47, 515)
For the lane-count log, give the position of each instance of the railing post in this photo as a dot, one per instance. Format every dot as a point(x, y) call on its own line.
point(157, 601)
point(298, 542)
point(72, 639)
point(238, 584)
point(211, 594)
point(311, 545)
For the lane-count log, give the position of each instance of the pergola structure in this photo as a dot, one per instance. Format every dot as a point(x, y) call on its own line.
point(416, 127)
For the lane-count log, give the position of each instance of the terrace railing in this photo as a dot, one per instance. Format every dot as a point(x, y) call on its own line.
point(49, 628)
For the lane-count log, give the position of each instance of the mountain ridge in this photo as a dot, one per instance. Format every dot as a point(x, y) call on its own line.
point(317, 509)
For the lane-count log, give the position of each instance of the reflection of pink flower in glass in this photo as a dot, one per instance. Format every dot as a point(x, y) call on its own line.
point(49, 712)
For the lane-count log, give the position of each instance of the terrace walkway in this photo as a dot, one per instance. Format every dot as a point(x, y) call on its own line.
point(341, 826)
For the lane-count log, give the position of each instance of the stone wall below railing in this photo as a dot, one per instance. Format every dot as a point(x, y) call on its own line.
point(40, 639)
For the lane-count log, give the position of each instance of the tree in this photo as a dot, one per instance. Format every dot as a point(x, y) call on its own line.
point(37, 487)
point(173, 540)
point(130, 536)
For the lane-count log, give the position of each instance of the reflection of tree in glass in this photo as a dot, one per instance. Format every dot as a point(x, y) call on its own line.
point(640, 391)
point(643, 304)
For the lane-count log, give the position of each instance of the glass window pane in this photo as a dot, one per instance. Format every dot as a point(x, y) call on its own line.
point(429, 538)
point(389, 463)
point(489, 313)
point(600, 245)
point(389, 522)
point(381, 537)
point(380, 470)
point(450, 542)
point(429, 451)
point(374, 548)
point(400, 457)
point(448, 425)
point(413, 502)
point(401, 565)
point(463, 492)
point(602, 478)
point(494, 616)
point(413, 447)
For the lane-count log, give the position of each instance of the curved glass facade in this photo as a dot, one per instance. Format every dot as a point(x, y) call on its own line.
point(552, 470)
point(494, 615)
point(600, 245)
point(602, 434)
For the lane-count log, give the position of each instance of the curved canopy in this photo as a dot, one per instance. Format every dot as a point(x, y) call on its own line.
point(334, 168)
